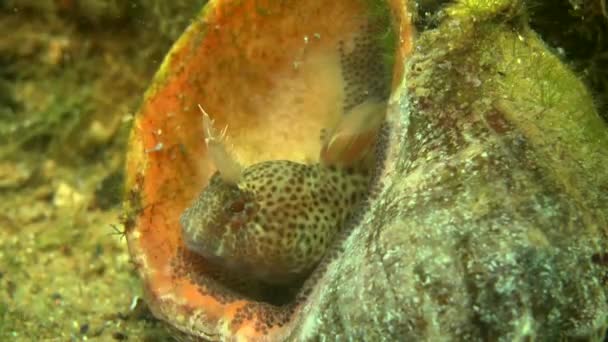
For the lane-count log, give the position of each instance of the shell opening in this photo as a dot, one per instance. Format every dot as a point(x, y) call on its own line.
point(271, 75)
point(353, 70)
point(337, 82)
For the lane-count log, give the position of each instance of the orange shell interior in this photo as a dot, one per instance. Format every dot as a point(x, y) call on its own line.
point(270, 71)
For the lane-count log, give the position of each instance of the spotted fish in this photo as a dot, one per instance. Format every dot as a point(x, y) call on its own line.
point(273, 221)
point(275, 224)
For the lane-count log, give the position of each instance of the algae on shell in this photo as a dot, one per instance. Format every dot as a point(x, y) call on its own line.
point(490, 213)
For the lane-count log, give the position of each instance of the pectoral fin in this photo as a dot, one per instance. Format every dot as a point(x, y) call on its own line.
point(352, 138)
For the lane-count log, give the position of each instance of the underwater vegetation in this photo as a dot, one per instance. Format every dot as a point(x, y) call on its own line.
point(64, 69)
point(578, 29)
point(68, 87)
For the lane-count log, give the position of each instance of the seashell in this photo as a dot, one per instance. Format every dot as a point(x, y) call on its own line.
point(486, 218)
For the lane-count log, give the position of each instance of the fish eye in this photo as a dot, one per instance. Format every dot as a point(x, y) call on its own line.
point(237, 206)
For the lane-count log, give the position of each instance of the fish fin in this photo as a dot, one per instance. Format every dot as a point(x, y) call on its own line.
point(352, 138)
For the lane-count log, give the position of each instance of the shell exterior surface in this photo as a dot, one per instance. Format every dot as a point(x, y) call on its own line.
point(490, 221)
point(276, 223)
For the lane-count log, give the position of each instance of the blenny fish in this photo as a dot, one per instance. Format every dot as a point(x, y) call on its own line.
point(273, 221)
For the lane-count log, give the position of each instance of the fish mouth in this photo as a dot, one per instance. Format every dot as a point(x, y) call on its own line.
point(196, 241)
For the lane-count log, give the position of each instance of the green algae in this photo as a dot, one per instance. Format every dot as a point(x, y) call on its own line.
point(55, 85)
point(577, 31)
point(380, 15)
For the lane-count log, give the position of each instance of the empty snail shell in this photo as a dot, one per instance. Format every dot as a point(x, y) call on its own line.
point(485, 216)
